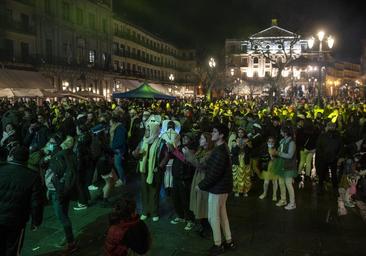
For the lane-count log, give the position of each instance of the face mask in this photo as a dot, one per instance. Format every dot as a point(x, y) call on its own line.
point(51, 147)
point(270, 145)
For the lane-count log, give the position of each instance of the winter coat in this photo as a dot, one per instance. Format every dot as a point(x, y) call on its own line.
point(21, 195)
point(328, 147)
point(219, 175)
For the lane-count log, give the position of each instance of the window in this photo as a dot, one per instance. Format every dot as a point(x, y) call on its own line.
point(91, 56)
point(92, 21)
point(66, 11)
point(255, 60)
point(116, 65)
point(9, 15)
point(244, 48)
point(24, 48)
point(268, 60)
point(47, 6)
point(49, 49)
point(104, 25)
point(9, 49)
point(79, 16)
point(244, 62)
point(25, 21)
point(115, 49)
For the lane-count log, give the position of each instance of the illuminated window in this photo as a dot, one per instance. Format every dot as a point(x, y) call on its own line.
point(91, 56)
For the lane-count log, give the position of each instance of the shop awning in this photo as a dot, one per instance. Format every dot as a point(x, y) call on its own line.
point(10, 78)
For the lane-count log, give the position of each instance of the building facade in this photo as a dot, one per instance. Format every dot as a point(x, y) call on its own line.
point(83, 46)
point(259, 57)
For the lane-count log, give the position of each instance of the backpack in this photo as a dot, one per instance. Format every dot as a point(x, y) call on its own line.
point(63, 167)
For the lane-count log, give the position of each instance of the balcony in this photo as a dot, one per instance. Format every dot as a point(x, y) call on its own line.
point(27, 2)
point(19, 27)
point(131, 38)
point(102, 2)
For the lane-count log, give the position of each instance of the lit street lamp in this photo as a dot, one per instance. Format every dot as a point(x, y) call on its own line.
point(330, 44)
point(171, 78)
point(212, 63)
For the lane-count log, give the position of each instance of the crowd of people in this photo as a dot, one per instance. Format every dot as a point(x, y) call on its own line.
point(199, 152)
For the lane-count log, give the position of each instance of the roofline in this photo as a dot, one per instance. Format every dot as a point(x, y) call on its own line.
point(272, 27)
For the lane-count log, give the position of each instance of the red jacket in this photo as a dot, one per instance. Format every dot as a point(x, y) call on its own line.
point(114, 245)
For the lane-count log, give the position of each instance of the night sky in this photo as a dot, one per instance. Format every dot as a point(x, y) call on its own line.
point(205, 24)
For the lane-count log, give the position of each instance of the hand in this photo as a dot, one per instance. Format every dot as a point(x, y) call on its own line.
point(185, 150)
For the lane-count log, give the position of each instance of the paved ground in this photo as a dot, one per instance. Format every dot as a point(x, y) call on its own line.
point(258, 227)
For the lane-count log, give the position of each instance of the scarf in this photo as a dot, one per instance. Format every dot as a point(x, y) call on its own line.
point(150, 149)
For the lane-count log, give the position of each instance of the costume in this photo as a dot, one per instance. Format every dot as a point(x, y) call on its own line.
point(151, 170)
point(285, 167)
point(241, 167)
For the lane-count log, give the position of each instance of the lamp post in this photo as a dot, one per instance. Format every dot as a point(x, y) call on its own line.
point(212, 65)
point(171, 78)
point(330, 43)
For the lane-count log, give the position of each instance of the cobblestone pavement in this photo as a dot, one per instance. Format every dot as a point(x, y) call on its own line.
point(258, 227)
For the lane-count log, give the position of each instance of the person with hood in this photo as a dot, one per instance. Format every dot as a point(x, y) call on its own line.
point(328, 150)
point(21, 196)
point(151, 169)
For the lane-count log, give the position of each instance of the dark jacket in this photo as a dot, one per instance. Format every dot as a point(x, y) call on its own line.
point(181, 170)
point(119, 141)
point(219, 176)
point(21, 195)
point(36, 139)
point(329, 147)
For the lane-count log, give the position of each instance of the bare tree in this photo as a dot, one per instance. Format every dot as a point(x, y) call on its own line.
point(280, 60)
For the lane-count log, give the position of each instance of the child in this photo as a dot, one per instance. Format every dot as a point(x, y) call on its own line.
point(127, 234)
point(269, 174)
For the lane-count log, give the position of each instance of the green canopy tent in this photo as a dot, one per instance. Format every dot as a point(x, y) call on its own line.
point(144, 91)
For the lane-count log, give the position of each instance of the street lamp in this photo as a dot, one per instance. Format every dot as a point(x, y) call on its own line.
point(171, 78)
point(330, 44)
point(212, 63)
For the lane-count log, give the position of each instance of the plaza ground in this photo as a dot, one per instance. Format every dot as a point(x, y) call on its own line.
point(258, 228)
